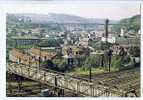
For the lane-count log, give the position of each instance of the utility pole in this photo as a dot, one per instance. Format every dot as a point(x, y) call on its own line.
point(56, 83)
point(39, 59)
point(29, 67)
point(16, 44)
point(90, 73)
point(39, 51)
point(109, 62)
point(110, 57)
point(102, 61)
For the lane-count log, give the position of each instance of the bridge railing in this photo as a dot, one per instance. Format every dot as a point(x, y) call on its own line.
point(60, 80)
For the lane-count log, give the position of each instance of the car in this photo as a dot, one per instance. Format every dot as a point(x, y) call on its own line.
point(46, 93)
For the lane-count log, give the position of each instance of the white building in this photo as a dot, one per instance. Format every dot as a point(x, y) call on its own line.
point(122, 32)
point(98, 33)
point(109, 39)
point(139, 32)
point(46, 35)
point(84, 41)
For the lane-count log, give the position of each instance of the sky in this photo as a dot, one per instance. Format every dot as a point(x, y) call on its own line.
point(112, 11)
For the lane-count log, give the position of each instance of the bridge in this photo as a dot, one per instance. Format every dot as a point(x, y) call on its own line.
point(79, 86)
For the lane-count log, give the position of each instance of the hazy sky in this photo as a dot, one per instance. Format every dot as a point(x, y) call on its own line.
point(112, 11)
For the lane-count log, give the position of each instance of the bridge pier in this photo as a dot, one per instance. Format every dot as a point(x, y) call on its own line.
point(40, 86)
point(19, 82)
point(9, 76)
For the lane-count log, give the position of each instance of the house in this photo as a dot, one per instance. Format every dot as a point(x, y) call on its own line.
point(84, 42)
point(98, 33)
point(74, 50)
point(16, 55)
point(109, 39)
point(35, 30)
point(36, 53)
point(126, 43)
point(123, 31)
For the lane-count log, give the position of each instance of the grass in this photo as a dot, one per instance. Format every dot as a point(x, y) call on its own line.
point(25, 46)
point(30, 85)
point(24, 83)
point(85, 71)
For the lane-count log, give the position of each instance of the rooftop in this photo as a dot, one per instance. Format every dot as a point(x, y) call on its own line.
point(42, 53)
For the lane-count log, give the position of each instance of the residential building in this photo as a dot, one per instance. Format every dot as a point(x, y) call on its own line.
point(17, 56)
point(37, 53)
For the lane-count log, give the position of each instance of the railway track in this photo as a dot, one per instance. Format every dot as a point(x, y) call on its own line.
point(125, 80)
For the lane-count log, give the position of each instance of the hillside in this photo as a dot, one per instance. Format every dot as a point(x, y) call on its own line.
point(132, 23)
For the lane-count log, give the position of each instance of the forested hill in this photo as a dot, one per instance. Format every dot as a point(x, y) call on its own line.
point(53, 18)
point(132, 23)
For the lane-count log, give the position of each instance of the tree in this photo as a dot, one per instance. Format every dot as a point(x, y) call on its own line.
point(49, 43)
point(134, 51)
point(29, 32)
point(42, 31)
point(119, 62)
point(105, 46)
point(93, 61)
point(13, 32)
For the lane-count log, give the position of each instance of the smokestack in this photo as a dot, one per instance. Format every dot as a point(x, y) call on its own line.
point(106, 28)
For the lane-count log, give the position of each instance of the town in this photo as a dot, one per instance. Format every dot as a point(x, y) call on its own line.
point(101, 59)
